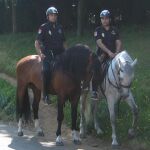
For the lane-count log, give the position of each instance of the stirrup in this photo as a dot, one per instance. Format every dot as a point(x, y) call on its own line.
point(47, 100)
point(94, 96)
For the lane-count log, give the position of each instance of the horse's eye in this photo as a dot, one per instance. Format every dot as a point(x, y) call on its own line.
point(121, 70)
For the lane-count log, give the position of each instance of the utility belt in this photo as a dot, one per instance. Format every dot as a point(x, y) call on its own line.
point(52, 53)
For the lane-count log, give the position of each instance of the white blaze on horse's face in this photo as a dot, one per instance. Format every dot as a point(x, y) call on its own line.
point(126, 76)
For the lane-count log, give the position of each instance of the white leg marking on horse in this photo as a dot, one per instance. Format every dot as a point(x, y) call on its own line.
point(59, 141)
point(37, 126)
point(75, 137)
point(111, 106)
point(20, 125)
point(83, 99)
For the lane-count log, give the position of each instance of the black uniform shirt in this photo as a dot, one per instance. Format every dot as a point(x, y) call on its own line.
point(108, 38)
point(52, 37)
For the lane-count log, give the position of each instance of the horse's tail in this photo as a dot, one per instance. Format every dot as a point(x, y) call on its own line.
point(23, 105)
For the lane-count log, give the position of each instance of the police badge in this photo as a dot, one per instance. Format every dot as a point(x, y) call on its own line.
point(113, 32)
point(103, 35)
point(50, 33)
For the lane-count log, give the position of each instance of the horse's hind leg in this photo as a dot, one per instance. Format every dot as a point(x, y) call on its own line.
point(83, 101)
point(74, 105)
point(35, 106)
point(130, 101)
point(60, 117)
point(19, 108)
point(94, 113)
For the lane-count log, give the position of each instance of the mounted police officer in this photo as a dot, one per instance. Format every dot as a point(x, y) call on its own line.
point(50, 42)
point(108, 42)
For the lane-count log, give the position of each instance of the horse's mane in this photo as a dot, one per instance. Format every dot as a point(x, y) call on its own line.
point(74, 60)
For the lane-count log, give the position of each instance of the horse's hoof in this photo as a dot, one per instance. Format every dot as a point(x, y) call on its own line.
point(77, 142)
point(83, 136)
point(59, 144)
point(131, 133)
point(99, 132)
point(41, 133)
point(20, 133)
point(115, 147)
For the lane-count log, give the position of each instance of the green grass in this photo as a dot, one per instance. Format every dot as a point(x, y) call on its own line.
point(7, 101)
point(135, 39)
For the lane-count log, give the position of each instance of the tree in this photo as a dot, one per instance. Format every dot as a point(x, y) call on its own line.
point(14, 25)
point(80, 16)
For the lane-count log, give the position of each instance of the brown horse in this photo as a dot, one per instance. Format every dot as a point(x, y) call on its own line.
point(68, 71)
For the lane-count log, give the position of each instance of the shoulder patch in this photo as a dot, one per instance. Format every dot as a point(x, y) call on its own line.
point(43, 24)
point(40, 31)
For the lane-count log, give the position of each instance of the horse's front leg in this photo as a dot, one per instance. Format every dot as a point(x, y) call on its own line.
point(130, 101)
point(111, 107)
point(75, 136)
point(83, 100)
point(60, 117)
point(20, 130)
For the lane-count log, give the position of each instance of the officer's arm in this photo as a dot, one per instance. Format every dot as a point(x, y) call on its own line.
point(118, 46)
point(103, 47)
point(38, 47)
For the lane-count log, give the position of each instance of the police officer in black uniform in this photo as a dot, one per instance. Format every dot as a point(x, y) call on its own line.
point(107, 40)
point(50, 42)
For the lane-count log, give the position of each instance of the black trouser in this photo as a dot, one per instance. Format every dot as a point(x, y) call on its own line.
point(46, 74)
point(99, 71)
point(47, 68)
point(96, 81)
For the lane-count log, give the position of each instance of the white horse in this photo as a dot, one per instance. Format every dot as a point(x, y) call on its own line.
point(115, 86)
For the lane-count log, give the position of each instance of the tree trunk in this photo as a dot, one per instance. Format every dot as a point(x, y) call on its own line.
point(14, 26)
point(80, 17)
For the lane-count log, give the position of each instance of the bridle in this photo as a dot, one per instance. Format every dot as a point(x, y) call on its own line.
point(116, 84)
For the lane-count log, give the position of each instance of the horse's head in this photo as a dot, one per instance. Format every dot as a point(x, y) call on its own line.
point(125, 74)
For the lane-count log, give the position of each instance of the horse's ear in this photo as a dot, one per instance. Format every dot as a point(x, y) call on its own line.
point(134, 63)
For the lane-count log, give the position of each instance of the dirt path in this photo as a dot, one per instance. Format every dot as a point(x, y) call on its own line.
point(47, 115)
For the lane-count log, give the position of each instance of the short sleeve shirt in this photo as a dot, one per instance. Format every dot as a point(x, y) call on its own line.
point(108, 37)
point(52, 38)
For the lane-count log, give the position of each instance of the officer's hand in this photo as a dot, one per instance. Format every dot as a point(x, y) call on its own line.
point(42, 56)
point(111, 55)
